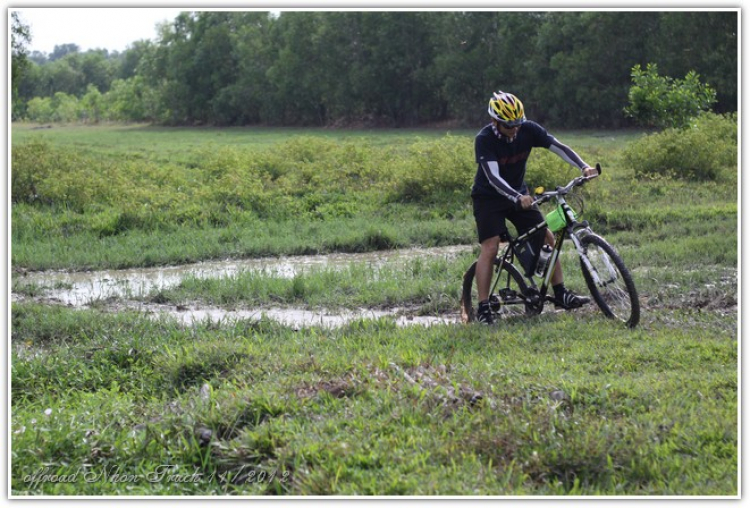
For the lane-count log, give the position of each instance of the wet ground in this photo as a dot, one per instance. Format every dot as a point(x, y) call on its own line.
point(117, 290)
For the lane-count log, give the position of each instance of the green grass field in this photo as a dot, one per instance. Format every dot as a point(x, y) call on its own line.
point(110, 403)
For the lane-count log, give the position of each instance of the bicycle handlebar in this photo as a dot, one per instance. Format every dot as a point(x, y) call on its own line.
point(561, 191)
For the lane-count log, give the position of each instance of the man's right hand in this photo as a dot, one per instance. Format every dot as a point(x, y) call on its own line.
point(525, 202)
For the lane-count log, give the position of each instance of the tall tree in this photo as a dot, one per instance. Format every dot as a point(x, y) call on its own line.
point(62, 50)
point(245, 100)
point(339, 34)
point(20, 37)
point(395, 76)
point(213, 65)
point(130, 60)
point(297, 76)
point(705, 42)
point(65, 75)
point(582, 76)
point(481, 52)
point(195, 61)
point(98, 70)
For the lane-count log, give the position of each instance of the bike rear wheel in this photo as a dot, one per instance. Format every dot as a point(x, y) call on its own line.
point(507, 298)
point(609, 281)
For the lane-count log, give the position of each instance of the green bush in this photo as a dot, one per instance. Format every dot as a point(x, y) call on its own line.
point(699, 152)
point(660, 101)
point(62, 177)
point(31, 164)
point(547, 170)
point(40, 110)
point(431, 170)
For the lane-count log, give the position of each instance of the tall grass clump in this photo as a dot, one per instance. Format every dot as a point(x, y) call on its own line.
point(431, 171)
point(698, 152)
point(213, 176)
point(304, 178)
point(33, 165)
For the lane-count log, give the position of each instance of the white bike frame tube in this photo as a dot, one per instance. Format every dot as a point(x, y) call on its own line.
point(550, 271)
point(585, 259)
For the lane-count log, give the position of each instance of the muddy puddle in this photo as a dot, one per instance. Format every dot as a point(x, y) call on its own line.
point(121, 289)
point(293, 317)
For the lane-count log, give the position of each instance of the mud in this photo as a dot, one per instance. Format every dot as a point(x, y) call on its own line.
point(117, 290)
point(293, 317)
point(120, 290)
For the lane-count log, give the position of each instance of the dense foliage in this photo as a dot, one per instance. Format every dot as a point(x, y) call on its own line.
point(660, 101)
point(572, 69)
point(698, 152)
point(19, 38)
point(305, 178)
point(219, 180)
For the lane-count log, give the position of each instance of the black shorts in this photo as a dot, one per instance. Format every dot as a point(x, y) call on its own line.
point(491, 213)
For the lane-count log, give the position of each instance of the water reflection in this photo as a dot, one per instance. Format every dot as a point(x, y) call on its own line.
point(294, 317)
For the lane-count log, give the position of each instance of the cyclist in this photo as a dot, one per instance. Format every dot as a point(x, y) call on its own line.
point(499, 192)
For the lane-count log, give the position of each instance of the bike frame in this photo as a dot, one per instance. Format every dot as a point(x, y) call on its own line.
point(572, 228)
point(510, 254)
point(604, 272)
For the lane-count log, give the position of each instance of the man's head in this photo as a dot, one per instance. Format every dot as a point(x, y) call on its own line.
point(507, 111)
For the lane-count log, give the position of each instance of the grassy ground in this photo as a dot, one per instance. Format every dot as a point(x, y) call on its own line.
point(557, 405)
point(109, 403)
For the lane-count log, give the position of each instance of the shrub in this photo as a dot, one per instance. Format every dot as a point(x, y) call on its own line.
point(66, 107)
point(433, 170)
point(660, 101)
point(40, 110)
point(304, 178)
point(698, 152)
point(30, 166)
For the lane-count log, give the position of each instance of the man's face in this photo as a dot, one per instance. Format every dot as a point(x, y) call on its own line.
point(508, 132)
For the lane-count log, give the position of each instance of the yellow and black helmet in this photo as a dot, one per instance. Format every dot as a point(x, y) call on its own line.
point(506, 108)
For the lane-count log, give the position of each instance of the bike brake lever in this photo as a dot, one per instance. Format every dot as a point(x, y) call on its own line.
point(543, 198)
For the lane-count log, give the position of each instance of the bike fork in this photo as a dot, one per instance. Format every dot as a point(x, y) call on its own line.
point(591, 269)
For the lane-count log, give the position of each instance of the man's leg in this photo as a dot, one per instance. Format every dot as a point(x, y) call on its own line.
point(485, 266)
point(490, 218)
point(483, 276)
point(557, 275)
point(564, 297)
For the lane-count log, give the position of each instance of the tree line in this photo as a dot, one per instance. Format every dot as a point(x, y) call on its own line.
point(571, 69)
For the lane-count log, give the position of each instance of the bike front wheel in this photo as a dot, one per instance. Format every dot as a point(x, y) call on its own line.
point(609, 281)
point(506, 299)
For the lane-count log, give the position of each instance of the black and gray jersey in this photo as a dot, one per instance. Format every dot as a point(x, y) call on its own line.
point(502, 163)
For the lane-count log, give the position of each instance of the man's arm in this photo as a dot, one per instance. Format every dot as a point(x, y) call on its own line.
point(546, 140)
point(567, 154)
point(492, 172)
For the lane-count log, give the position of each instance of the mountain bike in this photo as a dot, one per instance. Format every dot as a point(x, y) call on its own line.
point(515, 292)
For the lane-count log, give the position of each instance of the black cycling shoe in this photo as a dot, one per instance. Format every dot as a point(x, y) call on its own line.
point(569, 300)
point(484, 314)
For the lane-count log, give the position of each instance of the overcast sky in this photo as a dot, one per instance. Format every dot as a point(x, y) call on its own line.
point(114, 28)
point(91, 28)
